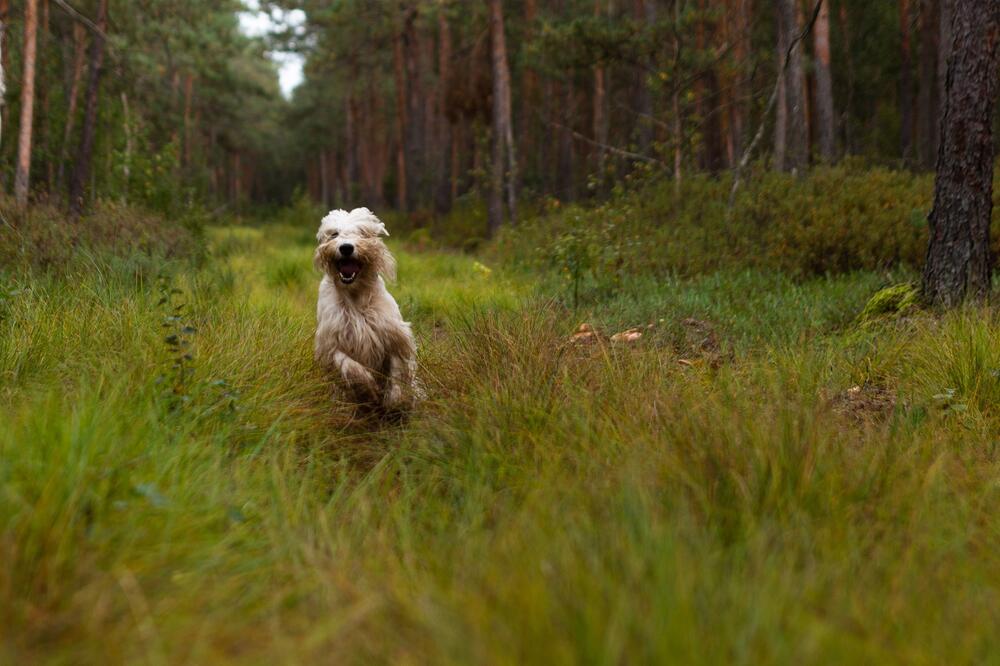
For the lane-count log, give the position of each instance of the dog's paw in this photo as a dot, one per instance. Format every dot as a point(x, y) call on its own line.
point(394, 397)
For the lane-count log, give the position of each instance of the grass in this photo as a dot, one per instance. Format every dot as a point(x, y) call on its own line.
point(550, 503)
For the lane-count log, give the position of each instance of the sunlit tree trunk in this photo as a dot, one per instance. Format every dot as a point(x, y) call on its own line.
point(22, 175)
point(81, 170)
point(825, 133)
point(958, 255)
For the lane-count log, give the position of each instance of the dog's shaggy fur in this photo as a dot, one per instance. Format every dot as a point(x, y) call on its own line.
point(360, 333)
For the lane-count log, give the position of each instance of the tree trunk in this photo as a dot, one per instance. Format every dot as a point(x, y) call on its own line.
point(944, 52)
point(781, 106)
point(825, 133)
point(644, 11)
point(740, 28)
point(4, 9)
point(188, 130)
point(797, 158)
point(503, 137)
point(600, 114)
point(22, 176)
point(81, 171)
point(928, 102)
point(446, 128)
point(79, 55)
point(958, 255)
point(402, 121)
point(905, 82)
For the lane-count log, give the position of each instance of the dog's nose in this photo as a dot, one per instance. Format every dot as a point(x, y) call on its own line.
point(346, 249)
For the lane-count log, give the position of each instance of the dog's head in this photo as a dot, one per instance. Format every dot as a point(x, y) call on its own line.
point(351, 250)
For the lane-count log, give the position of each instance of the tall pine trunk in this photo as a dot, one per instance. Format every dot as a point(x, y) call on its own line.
point(22, 175)
point(4, 9)
point(402, 121)
point(81, 170)
point(781, 106)
point(79, 58)
point(504, 164)
point(600, 114)
point(825, 132)
point(928, 101)
point(905, 82)
point(958, 255)
point(797, 141)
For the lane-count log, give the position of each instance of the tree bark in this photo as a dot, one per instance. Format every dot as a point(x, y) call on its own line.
point(600, 113)
point(905, 83)
point(446, 128)
point(825, 132)
point(504, 163)
point(958, 255)
point(781, 106)
point(79, 55)
point(797, 157)
point(4, 9)
point(928, 101)
point(22, 175)
point(81, 170)
point(402, 122)
point(644, 12)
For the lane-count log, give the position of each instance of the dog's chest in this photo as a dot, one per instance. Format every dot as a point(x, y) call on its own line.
point(358, 333)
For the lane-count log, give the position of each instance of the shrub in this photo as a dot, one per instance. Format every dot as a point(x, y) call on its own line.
point(834, 220)
point(44, 238)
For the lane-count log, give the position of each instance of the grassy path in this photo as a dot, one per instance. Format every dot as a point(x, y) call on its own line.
point(549, 504)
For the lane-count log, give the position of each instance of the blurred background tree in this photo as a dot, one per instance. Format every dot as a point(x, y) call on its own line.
point(174, 106)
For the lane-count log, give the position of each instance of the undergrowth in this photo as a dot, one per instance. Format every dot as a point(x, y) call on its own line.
point(759, 476)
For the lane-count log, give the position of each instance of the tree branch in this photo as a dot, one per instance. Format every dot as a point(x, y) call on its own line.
point(741, 165)
point(603, 146)
point(82, 19)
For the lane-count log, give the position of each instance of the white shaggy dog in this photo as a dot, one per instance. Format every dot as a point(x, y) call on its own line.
point(360, 332)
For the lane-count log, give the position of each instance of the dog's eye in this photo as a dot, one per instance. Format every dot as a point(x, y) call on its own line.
point(331, 234)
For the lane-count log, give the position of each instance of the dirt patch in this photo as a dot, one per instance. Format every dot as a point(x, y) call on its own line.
point(864, 404)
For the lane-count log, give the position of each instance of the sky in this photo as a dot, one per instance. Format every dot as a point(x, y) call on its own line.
point(255, 22)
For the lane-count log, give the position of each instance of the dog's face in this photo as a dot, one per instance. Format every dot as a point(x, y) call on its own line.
point(351, 250)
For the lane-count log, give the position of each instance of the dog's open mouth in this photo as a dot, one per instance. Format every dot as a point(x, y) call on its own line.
point(348, 269)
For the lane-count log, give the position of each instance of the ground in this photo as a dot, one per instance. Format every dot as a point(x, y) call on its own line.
point(761, 476)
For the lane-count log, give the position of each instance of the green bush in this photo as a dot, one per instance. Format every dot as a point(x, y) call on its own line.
point(834, 220)
point(44, 237)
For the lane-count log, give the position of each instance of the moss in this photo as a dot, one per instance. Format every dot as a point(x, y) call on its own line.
point(890, 303)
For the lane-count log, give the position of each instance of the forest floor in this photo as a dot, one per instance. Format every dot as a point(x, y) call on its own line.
point(760, 476)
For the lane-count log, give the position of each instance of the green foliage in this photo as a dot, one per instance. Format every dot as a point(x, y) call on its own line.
point(835, 220)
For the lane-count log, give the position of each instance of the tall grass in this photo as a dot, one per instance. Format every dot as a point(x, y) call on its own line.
point(549, 503)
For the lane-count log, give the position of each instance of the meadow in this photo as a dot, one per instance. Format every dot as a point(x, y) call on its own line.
point(771, 473)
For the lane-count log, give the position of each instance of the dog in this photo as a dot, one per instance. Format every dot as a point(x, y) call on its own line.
point(360, 334)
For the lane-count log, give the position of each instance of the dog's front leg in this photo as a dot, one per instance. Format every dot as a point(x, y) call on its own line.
point(400, 382)
point(355, 375)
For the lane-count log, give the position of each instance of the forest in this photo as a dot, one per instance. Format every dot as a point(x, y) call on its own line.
point(702, 294)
